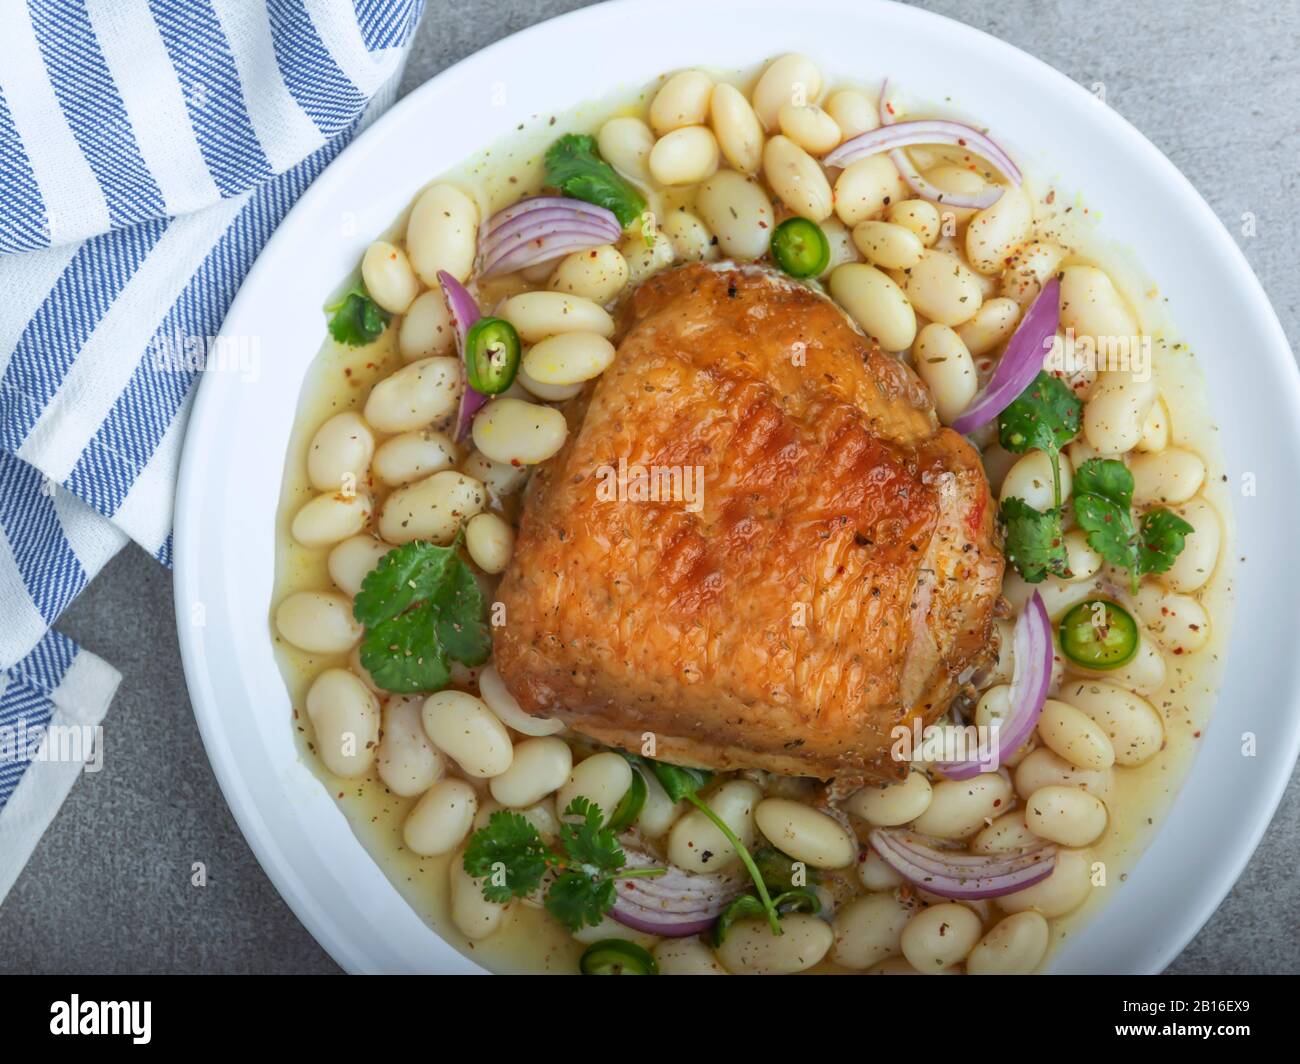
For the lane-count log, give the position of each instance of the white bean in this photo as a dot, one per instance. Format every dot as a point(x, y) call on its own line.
point(413, 456)
point(473, 915)
point(876, 303)
point(739, 133)
point(996, 231)
point(684, 156)
point(1131, 722)
point(874, 874)
point(943, 289)
point(1043, 768)
point(843, 250)
point(868, 930)
point(490, 542)
point(493, 691)
point(1144, 673)
point(1082, 562)
point(888, 245)
point(415, 396)
point(1178, 623)
point(1031, 479)
point(598, 274)
point(433, 508)
point(388, 277)
point(643, 261)
point(686, 956)
point(865, 188)
point(1063, 891)
point(549, 393)
point(791, 78)
point(1155, 430)
point(738, 212)
point(993, 324)
point(319, 622)
point(890, 804)
point(797, 179)
point(751, 949)
point(1166, 477)
point(569, 358)
point(537, 315)
point(464, 729)
point(1091, 306)
point(1016, 945)
point(500, 478)
point(959, 808)
point(940, 936)
point(441, 819)
point(352, 560)
point(1074, 736)
point(1195, 565)
point(805, 833)
point(602, 779)
point(340, 452)
point(810, 127)
point(1116, 410)
point(1007, 832)
point(659, 812)
point(696, 845)
point(540, 766)
point(518, 433)
point(1069, 816)
point(682, 101)
point(691, 239)
point(406, 761)
point(853, 112)
point(920, 216)
point(442, 234)
point(426, 328)
point(345, 717)
point(330, 518)
point(1029, 269)
point(947, 368)
point(952, 179)
point(625, 144)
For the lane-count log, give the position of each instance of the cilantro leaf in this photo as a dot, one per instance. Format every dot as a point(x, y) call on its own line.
point(574, 166)
point(1163, 533)
point(678, 781)
point(588, 842)
point(577, 900)
point(510, 842)
point(1105, 477)
point(1035, 544)
point(422, 608)
point(356, 319)
point(1045, 417)
point(402, 653)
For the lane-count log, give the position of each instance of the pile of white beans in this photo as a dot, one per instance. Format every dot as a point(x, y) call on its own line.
point(943, 288)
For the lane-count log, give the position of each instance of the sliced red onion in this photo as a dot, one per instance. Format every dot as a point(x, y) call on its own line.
point(963, 877)
point(464, 313)
point(986, 197)
point(1031, 677)
point(1021, 362)
point(543, 228)
point(673, 905)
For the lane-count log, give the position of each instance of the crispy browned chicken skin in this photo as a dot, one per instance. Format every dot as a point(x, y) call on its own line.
point(837, 579)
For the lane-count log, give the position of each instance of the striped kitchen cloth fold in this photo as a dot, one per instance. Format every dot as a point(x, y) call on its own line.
point(148, 148)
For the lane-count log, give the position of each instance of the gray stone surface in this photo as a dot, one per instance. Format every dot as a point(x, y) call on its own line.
point(108, 888)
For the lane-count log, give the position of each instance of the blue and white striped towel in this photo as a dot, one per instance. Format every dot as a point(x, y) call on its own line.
point(147, 150)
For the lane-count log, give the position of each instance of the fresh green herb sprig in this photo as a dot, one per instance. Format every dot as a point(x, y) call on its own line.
point(512, 860)
point(574, 166)
point(684, 784)
point(1103, 499)
point(422, 608)
point(356, 319)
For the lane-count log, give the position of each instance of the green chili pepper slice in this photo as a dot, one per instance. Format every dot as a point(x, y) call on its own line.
point(615, 956)
point(491, 355)
point(800, 248)
point(629, 808)
point(1099, 634)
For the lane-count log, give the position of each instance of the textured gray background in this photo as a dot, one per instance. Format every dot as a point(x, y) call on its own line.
point(1213, 84)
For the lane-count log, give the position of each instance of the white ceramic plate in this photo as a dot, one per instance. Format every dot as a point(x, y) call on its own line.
point(238, 433)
